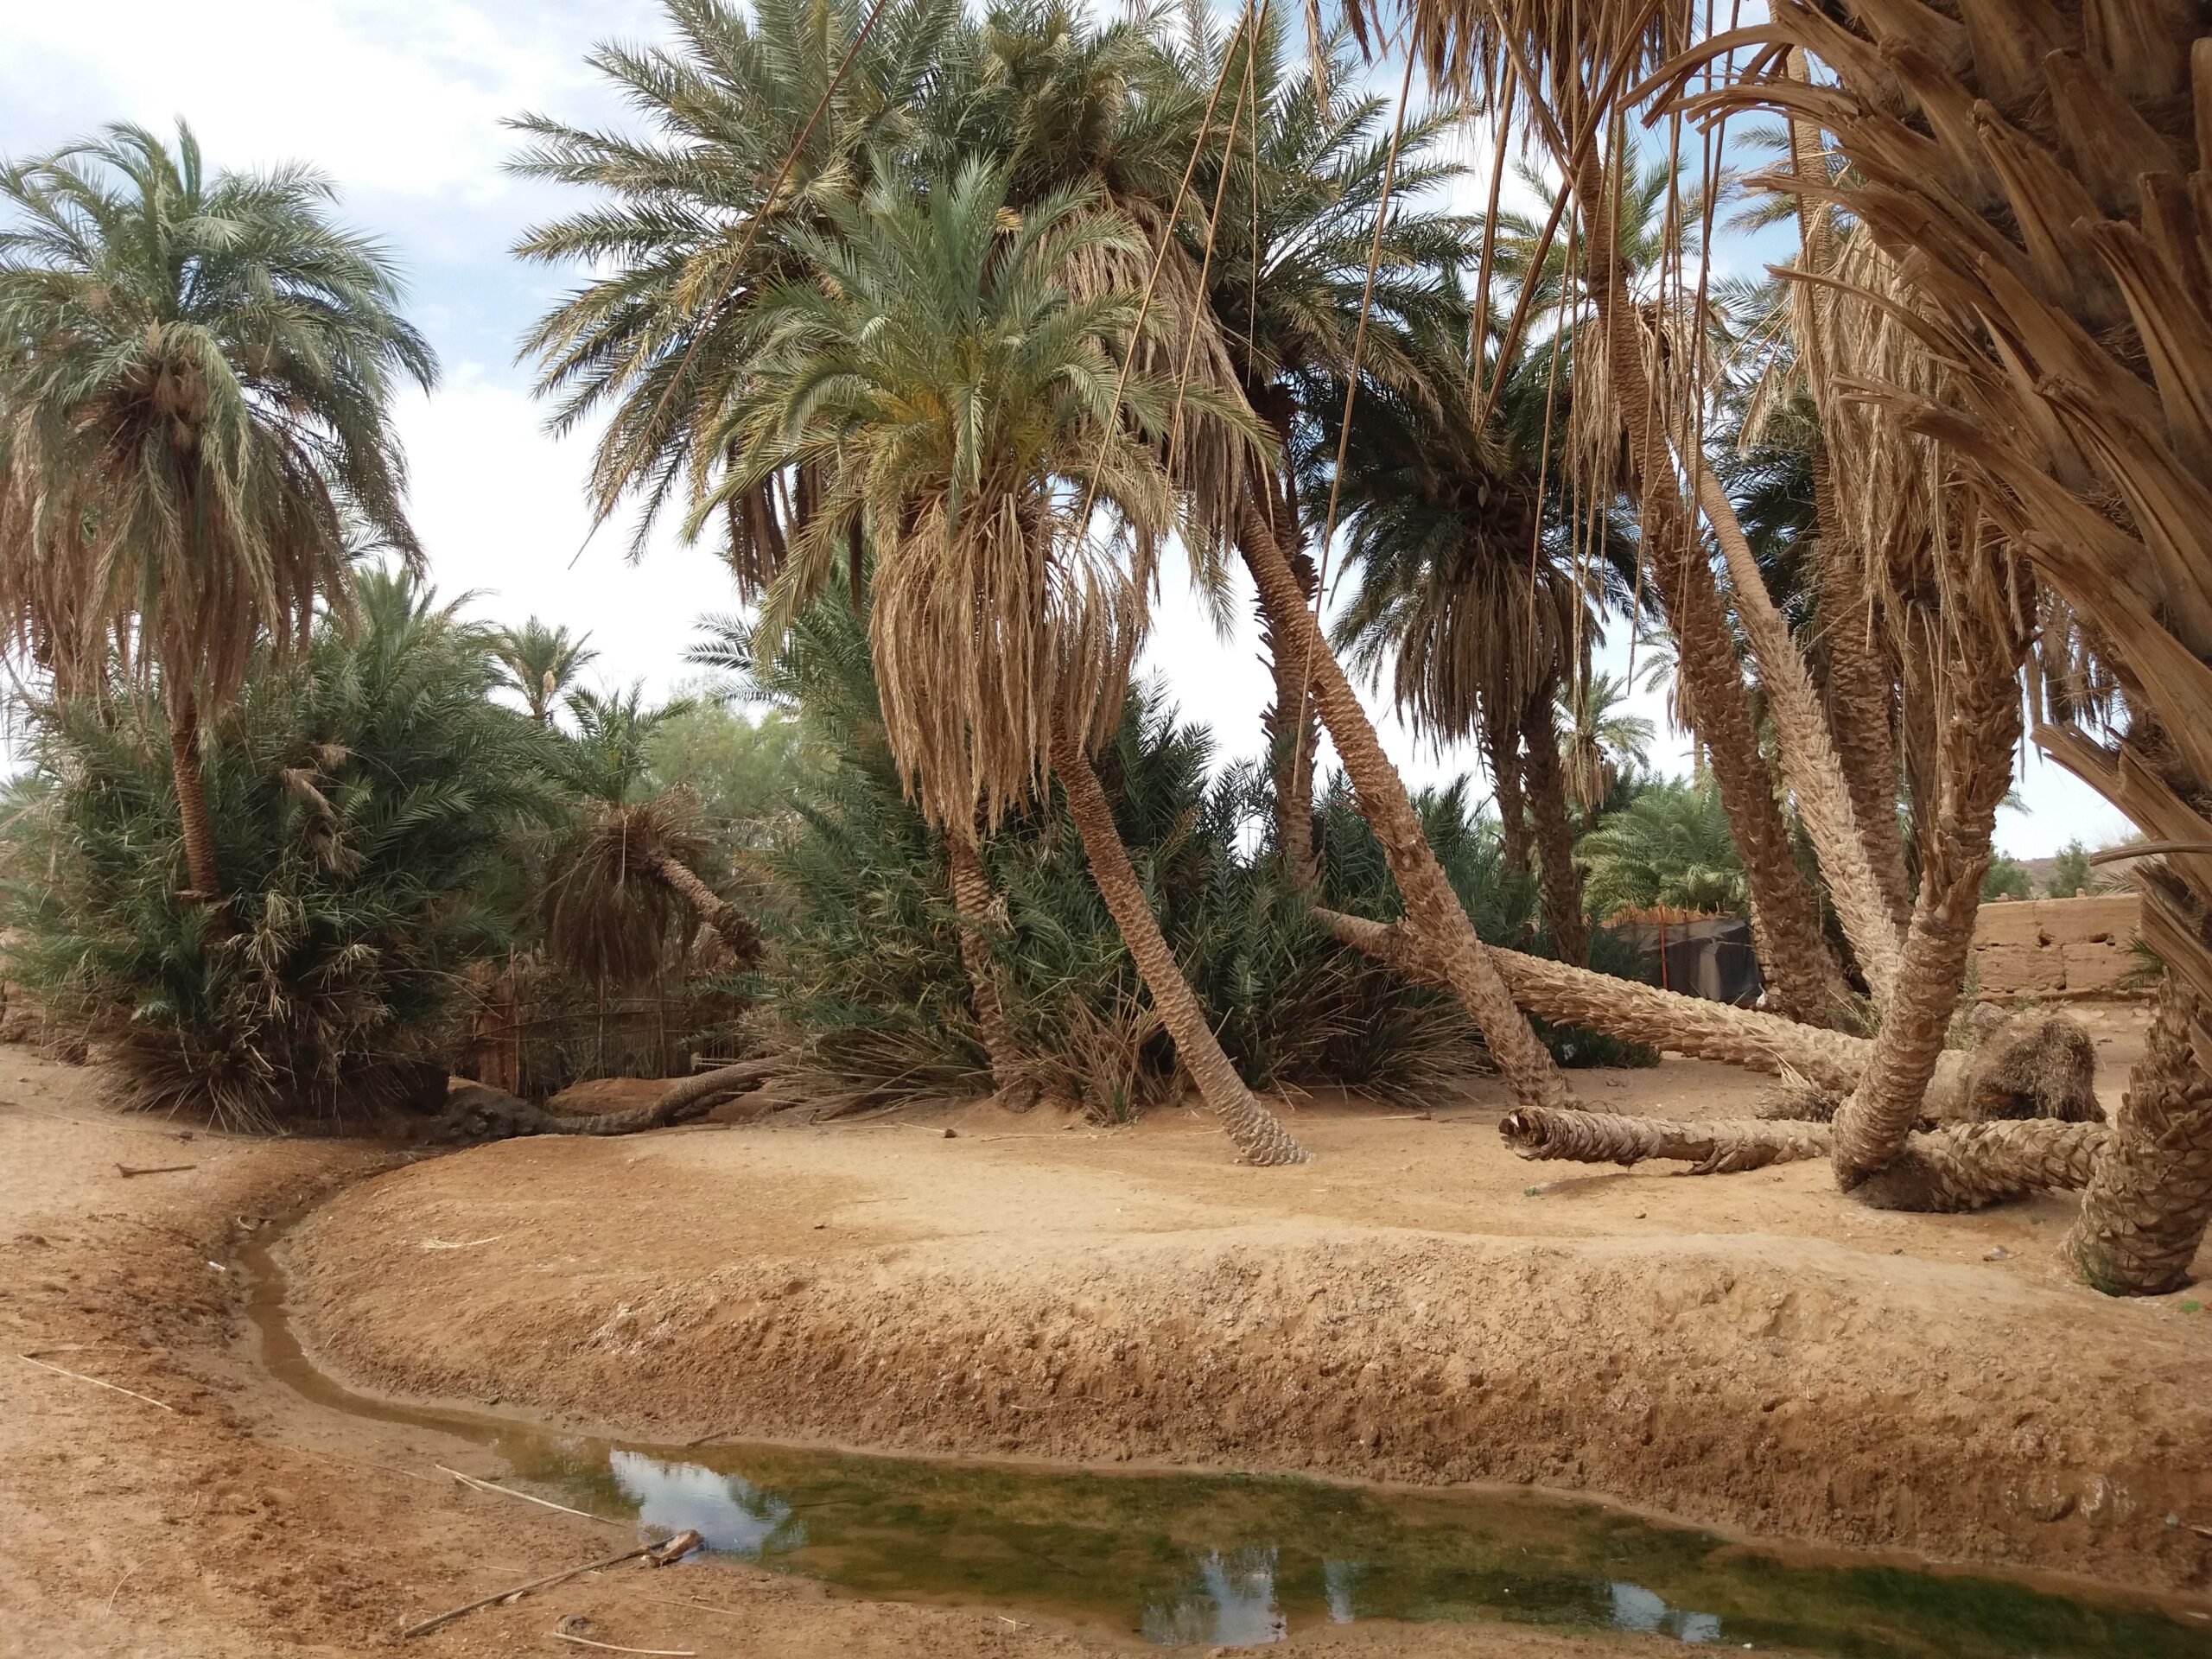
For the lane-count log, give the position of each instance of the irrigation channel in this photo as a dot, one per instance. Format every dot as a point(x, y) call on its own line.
point(1222, 1560)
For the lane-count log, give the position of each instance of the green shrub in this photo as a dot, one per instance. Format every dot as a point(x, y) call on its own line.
point(370, 803)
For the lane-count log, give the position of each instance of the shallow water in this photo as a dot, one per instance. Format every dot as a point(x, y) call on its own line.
point(1234, 1560)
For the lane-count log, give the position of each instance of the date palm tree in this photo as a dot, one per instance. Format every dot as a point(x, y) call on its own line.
point(618, 883)
point(756, 118)
point(959, 405)
point(541, 662)
point(196, 376)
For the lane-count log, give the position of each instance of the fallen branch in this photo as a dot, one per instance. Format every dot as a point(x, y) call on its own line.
point(660, 1554)
point(509, 1491)
point(1720, 1147)
point(112, 1388)
point(609, 1647)
point(126, 1172)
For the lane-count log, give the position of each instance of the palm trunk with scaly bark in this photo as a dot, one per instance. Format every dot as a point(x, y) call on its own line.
point(1831, 1060)
point(2149, 1196)
point(1259, 1139)
point(1801, 974)
point(1857, 692)
point(1721, 1146)
point(1562, 881)
point(1501, 741)
point(1979, 737)
point(1808, 762)
point(1433, 909)
point(972, 896)
point(192, 801)
point(734, 926)
point(1292, 731)
point(1860, 694)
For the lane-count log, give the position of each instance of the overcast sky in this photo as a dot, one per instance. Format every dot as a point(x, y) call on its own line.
point(400, 101)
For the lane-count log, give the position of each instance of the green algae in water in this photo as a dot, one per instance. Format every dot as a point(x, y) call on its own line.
point(1236, 1560)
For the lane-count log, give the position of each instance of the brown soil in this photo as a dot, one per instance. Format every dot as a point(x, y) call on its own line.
point(243, 1521)
point(1752, 1351)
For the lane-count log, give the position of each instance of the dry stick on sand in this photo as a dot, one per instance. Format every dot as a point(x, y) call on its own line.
point(126, 1172)
point(609, 1647)
point(112, 1388)
point(660, 1554)
point(509, 1491)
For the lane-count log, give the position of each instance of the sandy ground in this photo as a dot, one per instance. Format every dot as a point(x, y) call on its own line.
point(221, 1516)
point(1748, 1351)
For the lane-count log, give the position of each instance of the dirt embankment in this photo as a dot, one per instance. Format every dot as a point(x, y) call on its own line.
point(1750, 1351)
point(219, 1517)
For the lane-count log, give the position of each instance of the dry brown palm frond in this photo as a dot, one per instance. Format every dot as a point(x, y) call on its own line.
point(609, 914)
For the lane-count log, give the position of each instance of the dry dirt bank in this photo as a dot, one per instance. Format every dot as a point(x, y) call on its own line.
point(1750, 1351)
point(241, 1523)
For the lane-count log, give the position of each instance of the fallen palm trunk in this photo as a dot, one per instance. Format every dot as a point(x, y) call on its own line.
point(1720, 1147)
point(1964, 1167)
point(2031, 1066)
point(1974, 1165)
point(475, 1114)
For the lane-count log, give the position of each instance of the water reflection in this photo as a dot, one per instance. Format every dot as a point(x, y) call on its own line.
point(1635, 1608)
point(733, 1516)
point(1232, 1605)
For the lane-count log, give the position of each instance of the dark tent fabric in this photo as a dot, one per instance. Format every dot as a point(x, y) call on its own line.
point(1710, 957)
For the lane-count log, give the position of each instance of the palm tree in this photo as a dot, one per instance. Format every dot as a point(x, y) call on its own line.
point(196, 375)
point(1468, 587)
point(959, 404)
point(1669, 845)
point(541, 662)
point(1600, 743)
point(618, 883)
point(757, 117)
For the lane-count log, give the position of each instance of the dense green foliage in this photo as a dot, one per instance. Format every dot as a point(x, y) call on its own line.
point(1669, 845)
point(869, 985)
point(369, 801)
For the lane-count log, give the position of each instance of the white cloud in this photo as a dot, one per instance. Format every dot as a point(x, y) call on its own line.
point(385, 97)
point(499, 507)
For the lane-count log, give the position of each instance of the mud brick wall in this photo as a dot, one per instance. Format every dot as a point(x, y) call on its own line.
point(2055, 947)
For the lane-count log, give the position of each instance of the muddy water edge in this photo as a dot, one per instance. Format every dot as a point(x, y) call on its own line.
point(1223, 1560)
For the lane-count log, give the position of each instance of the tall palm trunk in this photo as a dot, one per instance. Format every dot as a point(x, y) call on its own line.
point(1257, 1136)
point(1501, 741)
point(734, 926)
point(1859, 698)
point(1433, 909)
point(973, 897)
point(1292, 731)
point(2150, 1195)
point(192, 799)
point(1801, 976)
point(1809, 761)
point(1562, 880)
point(1978, 740)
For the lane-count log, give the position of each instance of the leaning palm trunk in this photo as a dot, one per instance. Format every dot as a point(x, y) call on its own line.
point(1980, 737)
point(1257, 1136)
point(1561, 879)
point(1809, 761)
point(1801, 976)
point(1859, 697)
point(973, 898)
point(2148, 1199)
point(1433, 910)
point(1292, 732)
point(734, 926)
point(191, 802)
point(2036, 172)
